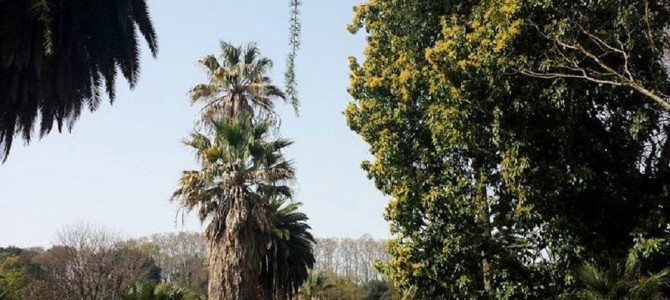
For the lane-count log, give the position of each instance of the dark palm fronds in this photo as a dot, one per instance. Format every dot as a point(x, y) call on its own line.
point(290, 257)
point(58, 56)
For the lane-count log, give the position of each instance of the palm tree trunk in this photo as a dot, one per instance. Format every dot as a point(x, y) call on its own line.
point(235, 257)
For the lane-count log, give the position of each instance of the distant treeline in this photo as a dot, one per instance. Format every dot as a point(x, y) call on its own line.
point(182, 256)
point(89, 262)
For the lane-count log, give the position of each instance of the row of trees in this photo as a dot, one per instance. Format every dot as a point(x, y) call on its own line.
point(89, 262)
point(350, 258)
point(519, 141)
point(182, 256)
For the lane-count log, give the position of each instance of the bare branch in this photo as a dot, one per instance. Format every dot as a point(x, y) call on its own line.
point(604, 73)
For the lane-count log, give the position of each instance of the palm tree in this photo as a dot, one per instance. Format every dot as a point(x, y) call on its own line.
point(238, 84)
point(57, 56)
point(290, 256)
point(315, 287)
point(621, 281)
point(239, 171)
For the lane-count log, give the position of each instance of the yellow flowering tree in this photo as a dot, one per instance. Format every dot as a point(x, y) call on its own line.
point(500, 183)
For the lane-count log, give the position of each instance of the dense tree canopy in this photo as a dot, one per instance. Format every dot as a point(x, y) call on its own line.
point(503, 183)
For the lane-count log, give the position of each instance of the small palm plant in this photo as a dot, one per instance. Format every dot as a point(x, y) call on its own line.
point(152, 291)
point(621, 281)
point(315, 287)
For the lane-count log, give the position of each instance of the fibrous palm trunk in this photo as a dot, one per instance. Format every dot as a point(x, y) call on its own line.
point(237, 106)
point(235, 254)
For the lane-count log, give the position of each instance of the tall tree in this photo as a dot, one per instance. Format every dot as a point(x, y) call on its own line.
point(238, 84)
point(500, 183)
point(239, 172)
point(57, 56)
point(291, 254)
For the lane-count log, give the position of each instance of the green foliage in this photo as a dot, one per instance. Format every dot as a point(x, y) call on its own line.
point(315, 287)
point(13, 277)
point(20, 277)
point(57, 56)
point(294, 42)
point(152, 291)
point(330, 286)
point(238, 84)
point(378, 290)
point(499, 182)
point(622, 280)
point(343, 289)
point(237, 163)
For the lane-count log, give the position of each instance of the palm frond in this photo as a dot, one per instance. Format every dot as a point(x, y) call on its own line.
point(56, 56)
point(238, 84)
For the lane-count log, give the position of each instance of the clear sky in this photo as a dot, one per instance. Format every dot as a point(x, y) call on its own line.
point(120, 164)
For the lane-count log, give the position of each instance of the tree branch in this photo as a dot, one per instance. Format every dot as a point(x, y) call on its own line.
point(607, 74)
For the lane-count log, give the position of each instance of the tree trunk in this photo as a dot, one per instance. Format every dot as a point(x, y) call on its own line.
point(235, 254)
point(480, 184)
point(664, 165)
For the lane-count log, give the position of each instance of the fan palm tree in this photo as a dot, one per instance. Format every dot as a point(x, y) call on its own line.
point(291, 255)
point(238, 84)
point(621, 281)
point(56, 56)
point(239, 171)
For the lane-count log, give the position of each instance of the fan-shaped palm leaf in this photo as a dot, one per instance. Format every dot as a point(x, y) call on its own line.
point(238, 84)
point(621, 281)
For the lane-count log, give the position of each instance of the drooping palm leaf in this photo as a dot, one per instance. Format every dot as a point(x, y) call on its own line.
point(57, 55)
point(290, 256)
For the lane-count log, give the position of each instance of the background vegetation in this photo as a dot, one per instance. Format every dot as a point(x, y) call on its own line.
point(89, 262)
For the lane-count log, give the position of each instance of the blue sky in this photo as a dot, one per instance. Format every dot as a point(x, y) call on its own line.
point(120, 164)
